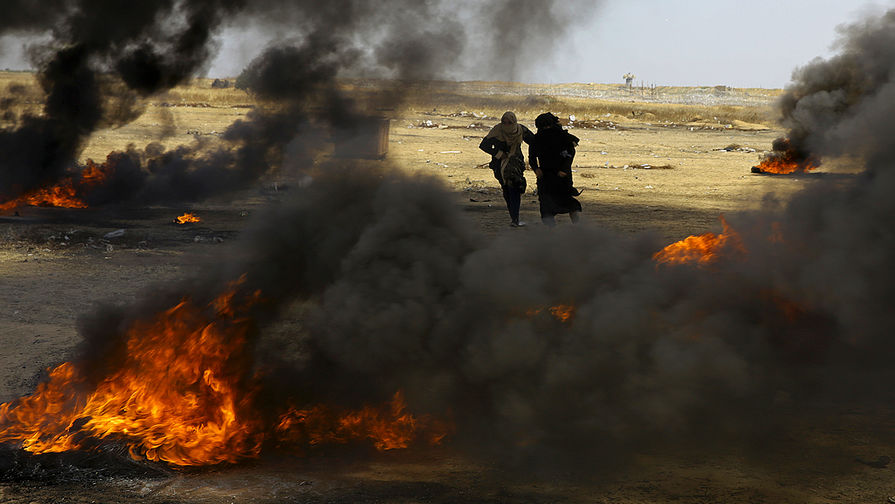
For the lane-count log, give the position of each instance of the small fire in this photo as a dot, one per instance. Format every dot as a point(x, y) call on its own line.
point(388, 427)
point(67, 193)
point(183, 394)
point(785, 160)
point(703, 249)
point(61, 195)
point(187, 217)
point(561, 312)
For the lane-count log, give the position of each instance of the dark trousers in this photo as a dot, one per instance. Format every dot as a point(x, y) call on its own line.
point(513, 198)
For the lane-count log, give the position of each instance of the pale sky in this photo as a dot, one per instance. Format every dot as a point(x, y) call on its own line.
point(663, 42)
point(754, 43)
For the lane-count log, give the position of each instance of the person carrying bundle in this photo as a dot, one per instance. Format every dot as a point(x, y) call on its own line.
point(504, 143)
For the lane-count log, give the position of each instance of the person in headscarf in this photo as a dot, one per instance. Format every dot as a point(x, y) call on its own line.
point(550, 156)
point(504, 143)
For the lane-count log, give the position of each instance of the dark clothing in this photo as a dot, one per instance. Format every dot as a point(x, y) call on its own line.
point(513, 197)
point(514, 184)
point(553, 150)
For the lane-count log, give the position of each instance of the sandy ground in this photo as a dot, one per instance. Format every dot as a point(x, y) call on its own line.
point(697, 183)
point(56, 264)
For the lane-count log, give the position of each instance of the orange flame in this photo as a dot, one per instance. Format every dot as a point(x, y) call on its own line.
point(187, 217)
point(786, 161)
point(389, 428)
point(62, 195)
point(703, 249)
point(66, 193)
point(561, 312)
point(783, 166)
point(177, 396)
point(182, 394)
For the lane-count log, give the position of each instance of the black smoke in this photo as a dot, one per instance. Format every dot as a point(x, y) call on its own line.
point(840, 106)
point(387, 286)
point(397, 290)
point(102, 53)
point(98, 69)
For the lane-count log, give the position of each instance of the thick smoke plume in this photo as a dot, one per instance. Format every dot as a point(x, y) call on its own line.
point(98, 67)
point(841, 106)
point(393, 288)
point(102, 54)
point(405, 295)
point(388, 286)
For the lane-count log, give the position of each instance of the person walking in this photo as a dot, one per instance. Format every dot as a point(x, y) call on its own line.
point(504, 144)
point(551, 154)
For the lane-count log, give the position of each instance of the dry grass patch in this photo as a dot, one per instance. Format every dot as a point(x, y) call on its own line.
point(593, 110)
point(198, 92)
point(634, 165)
point(22, 94)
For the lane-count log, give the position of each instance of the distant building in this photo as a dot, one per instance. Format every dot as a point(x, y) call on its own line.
point(629, 79)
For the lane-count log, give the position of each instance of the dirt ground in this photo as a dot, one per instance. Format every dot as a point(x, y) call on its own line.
point(672, 179)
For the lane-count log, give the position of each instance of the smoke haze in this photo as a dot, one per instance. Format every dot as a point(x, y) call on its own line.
point(399, 290)
point(407, 296)
point(96, 69)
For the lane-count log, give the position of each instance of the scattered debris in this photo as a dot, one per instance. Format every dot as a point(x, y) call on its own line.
point(470, 126)
point(464, 113)
point(647, 166)
point(735, 148)
point(585, 124)
point(118, 233)
point(207, 239)
point(428, 123)
point(631, 166)
point(478, 186)
point(196, 132)
point(185, 104)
